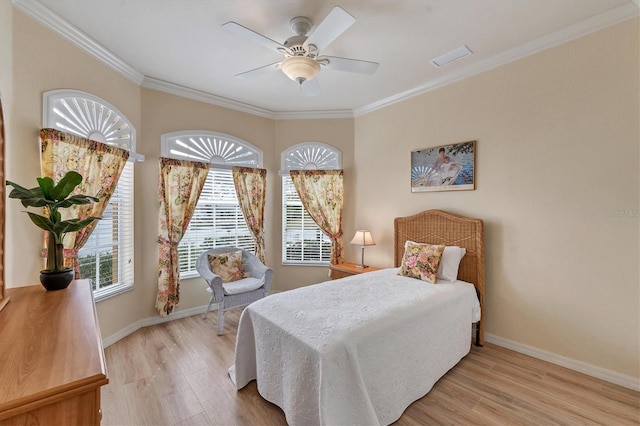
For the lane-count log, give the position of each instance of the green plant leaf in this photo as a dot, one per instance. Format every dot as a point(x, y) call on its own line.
point(73, 225)
point(77, 199)
point(29, 197)
point(45, 183)
point(34, 202)
point(18, 190)
point(52, 197)
point(42, 222)
point(66, 185)
point(55, 216)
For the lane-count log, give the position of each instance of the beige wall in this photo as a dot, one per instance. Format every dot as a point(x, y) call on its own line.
point(557, 153)
point(6, 80)
point(164, 113)
point(338, 133)
point(43, 61)
point(6, 50)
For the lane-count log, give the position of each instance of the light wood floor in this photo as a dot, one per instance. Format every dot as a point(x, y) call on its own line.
point(176, 374)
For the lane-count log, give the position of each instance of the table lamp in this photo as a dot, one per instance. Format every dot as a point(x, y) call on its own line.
point(363, 238)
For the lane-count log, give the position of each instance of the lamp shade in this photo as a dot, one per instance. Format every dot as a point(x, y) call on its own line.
point(300, 68)
point(363, 238)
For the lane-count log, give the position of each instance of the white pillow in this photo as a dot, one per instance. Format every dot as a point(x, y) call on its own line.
point(449, 262)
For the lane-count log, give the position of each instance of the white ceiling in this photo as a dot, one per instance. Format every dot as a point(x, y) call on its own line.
point(172, 42)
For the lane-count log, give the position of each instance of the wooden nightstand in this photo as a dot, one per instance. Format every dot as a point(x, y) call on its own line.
point(347, 269)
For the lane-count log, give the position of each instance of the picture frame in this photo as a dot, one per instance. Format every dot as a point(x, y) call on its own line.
point(449, 167)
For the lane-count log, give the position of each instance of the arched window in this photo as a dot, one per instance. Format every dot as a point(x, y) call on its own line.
point(107, 257)
point(217, 220)
point(89, 116)
point(210, 147)
point(302, 240)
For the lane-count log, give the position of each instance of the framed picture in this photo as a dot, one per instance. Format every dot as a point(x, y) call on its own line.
point(444, 168)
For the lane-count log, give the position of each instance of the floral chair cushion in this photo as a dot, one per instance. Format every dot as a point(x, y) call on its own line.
point(421, 261)
point(228, 266)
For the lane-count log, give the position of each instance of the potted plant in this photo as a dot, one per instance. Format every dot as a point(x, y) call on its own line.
point(53, 197)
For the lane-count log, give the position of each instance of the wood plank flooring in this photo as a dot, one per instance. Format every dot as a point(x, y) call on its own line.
point(176, 374)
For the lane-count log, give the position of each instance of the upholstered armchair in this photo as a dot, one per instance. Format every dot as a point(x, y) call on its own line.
point(238, 293)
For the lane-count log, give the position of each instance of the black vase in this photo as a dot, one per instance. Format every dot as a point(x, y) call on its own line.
point(56, 280)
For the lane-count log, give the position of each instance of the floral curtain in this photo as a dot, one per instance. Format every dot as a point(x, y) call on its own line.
point(322, 195)
point(251, 189)
point(181, 183)
point(100, 166)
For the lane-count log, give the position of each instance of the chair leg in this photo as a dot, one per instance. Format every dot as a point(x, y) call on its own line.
point(220, 318)
point(208, 307)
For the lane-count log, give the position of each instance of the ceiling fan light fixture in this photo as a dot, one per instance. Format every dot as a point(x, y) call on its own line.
point(300, 68)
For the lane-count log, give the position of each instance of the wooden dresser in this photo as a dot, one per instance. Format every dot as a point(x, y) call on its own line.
point(51, 357)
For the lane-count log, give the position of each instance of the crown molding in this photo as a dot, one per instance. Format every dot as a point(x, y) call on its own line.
point(199, 95)
point(583, 28)
point(54, 22)
point(308, 115)
point(51, 20)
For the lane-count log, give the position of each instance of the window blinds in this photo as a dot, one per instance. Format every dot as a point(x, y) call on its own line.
point(216, 222)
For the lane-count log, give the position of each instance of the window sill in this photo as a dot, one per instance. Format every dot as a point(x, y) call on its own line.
point(318, 264)
point(105, 294)
point(186, 275)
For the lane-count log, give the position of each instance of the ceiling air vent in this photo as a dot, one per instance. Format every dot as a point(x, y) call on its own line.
point(451, 56)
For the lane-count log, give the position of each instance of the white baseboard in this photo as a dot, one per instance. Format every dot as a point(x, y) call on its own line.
point(580, 366)
point(572, 364)
point(145, 322)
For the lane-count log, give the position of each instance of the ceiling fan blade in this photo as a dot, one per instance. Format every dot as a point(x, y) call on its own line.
point(257, 72)
point(351, 65)
point(249, 34)
point(336, 22)
point(310, 88)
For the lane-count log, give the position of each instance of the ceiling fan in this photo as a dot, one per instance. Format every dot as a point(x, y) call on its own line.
point(302, 60)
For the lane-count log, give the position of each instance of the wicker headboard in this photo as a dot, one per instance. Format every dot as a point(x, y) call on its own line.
point(440, 227)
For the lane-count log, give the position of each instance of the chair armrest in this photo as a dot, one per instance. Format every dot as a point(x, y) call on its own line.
point(257, 269)
point(268, 275)
point(213, 281)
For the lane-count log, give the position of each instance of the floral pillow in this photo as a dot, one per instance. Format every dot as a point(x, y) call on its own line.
point(421, 261)
point(227, 265)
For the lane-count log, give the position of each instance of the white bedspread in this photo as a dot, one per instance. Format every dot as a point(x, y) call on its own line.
point(354, 351)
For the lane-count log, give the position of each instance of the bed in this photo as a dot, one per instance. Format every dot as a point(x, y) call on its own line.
point(361, 349)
